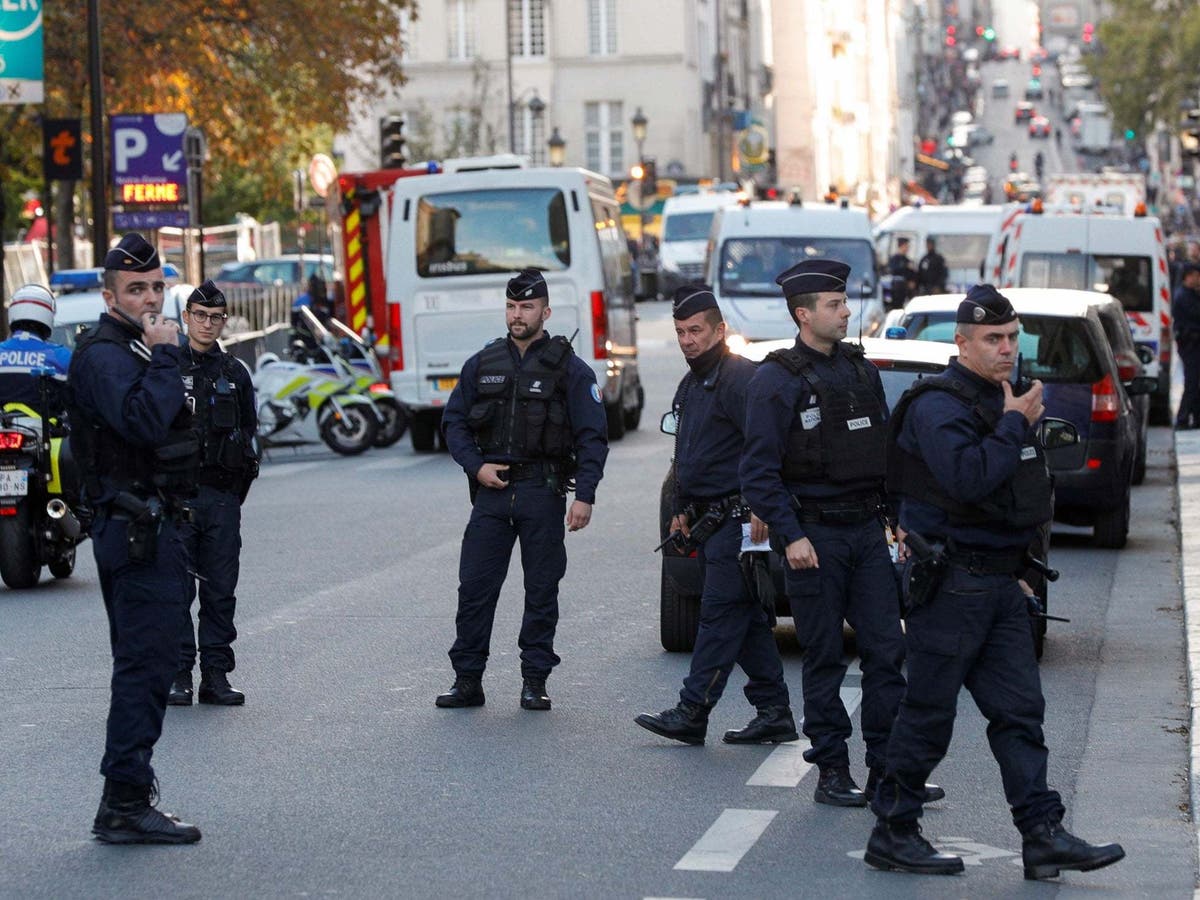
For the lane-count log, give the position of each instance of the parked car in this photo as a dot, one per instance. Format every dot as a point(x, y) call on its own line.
point(1067, 342)
point(999, 88)
point(1033, 89)
point(287, 269)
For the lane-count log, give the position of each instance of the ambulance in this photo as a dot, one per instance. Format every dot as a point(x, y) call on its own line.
point(1095, 248)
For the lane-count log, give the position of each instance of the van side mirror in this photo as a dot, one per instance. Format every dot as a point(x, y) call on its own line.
point(1054, 434)
point(1144, 353)
point(669, 424)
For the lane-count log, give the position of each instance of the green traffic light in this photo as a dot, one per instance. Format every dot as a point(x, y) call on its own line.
point(989, 34)
point(1130, 134)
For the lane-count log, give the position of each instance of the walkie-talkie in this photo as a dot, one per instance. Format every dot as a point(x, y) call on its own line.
point(1020, 383)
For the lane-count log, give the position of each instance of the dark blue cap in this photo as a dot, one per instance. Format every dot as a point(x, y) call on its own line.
point(528, 284)
point(690, 299)
point(984, 305)
point(814, 276)
point(1189, 267)
point(133, 254)
point(208, 294)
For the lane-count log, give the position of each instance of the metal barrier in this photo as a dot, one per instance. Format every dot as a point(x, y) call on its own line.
point(248, 346)
point(256, 307)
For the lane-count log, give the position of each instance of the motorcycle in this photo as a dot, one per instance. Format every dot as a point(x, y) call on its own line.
point(40, 505)
point(300, 405)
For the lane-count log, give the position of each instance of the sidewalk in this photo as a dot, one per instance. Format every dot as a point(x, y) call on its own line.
point(1187, 462)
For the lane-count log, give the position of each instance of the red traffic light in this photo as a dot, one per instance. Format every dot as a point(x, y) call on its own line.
point(951, 30)
point(978, 31)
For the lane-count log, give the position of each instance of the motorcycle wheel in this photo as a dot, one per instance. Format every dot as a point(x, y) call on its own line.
point(19, 564)
point(395, 421)
point(352, 434)
point(64, 566)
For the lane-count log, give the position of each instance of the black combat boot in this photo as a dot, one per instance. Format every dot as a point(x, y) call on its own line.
point(181, 689)
point(215, 689)
point(772, 725)
point(533, 694)
point(127, 816)
point(467, 691)
point(835, 787)
point(932, 791)
point(900, 846)
point(687, 722)
point(1048, 848)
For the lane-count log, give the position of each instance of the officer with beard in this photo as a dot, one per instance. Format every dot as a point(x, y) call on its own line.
point(526, 422)
point(710, 412)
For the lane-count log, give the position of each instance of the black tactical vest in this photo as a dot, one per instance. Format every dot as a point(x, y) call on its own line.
point(102, 453)
point(522, 414)
point(849, 443)
point(217, 408)
point(1024, 501)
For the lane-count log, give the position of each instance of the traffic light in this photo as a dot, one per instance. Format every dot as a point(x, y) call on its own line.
point(649, 178)
point(989, 33)
point(978, 31)
point(1130, 134)
point(1189, 135)
point(391, 142)
point(1089, 31)
point(951, 31)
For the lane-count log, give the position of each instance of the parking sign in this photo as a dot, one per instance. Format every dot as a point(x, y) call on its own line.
point(21, 52)
point(147, 150)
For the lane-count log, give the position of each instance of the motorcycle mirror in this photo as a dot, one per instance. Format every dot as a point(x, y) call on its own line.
point(669, 424)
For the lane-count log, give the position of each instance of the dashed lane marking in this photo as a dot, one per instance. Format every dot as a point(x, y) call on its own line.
point(728, 839)
point(785, 767)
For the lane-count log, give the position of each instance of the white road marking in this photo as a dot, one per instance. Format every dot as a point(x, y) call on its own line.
point(972, 853)
point(786, 766)
point(722, 847)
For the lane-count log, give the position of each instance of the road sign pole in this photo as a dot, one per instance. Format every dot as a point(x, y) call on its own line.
point(99, 183)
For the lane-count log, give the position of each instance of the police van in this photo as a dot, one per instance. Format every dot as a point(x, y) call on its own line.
point(686, 220)
point(961, 234)
point(1098, 249)
point(752, 242)
point(455, 239)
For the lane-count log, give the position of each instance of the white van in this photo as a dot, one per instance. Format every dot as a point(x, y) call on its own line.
point(962, 234)
point(686, 221)
point(752, 242)
point(1099, 250)
point(454, 241)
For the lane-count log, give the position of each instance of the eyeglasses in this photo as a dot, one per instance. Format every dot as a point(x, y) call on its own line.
point(201, 318)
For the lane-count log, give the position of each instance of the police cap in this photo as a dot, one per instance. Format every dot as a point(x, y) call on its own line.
point(133, 254)
point(208, 294)
point(1188, 268)
point(528, 284)
point(690, 299)
point(984, 305)
point(814, 276)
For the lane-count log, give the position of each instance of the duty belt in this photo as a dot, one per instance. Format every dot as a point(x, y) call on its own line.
point(837, 512)
point(731, 505)
point(525, 471)
point(987, 562)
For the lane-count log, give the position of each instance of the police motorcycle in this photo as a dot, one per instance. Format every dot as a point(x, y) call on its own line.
point(298, 404)
point(40, 506)
point(348, 356)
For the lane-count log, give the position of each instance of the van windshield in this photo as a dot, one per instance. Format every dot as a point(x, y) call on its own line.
point(501, 230)
point(687, 226)
point(1125, 277)
point(962, 251)
point(749, 265)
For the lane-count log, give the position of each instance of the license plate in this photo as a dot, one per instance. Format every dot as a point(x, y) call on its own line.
point(14, 483)
point(445, 384)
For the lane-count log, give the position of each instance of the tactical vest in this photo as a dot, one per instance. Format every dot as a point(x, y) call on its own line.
point(170, 468)
point(522, 414)
point(850, 442)
point(1024, 501)
point(217, 410)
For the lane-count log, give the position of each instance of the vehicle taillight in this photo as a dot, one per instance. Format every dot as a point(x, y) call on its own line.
point(379, 387)
point(8, 510)
point(599, 326)
point(1106, 404)
point(11, 440)
point(395, 343)
point(1127, 369)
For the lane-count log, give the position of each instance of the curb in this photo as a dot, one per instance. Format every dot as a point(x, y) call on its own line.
point(1187, 482)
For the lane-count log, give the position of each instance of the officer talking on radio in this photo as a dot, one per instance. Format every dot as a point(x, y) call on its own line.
point(133, 440)
point(813, 471)
point(220, 396)
point(525, 421)
point(975, 487)
point(710, 414)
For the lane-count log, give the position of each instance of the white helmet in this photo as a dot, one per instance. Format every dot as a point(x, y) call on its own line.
point(32, 303)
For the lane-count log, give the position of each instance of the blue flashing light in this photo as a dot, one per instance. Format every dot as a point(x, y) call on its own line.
point(896, 333)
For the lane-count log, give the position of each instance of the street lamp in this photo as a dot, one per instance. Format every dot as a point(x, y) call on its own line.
point(639, 136)
point(557, 147)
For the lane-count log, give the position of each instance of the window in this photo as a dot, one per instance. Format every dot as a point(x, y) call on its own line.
point(687, 226)
point(531, 134)
point(460, 18)
point(602, 27)
point(604, 138)
point(1125, 277)
point(408, 34)
point(527, 27)
point(962, 251)
point(471, 232)
point(749, 265)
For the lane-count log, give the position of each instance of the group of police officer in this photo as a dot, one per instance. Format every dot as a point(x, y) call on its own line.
point(795, 450)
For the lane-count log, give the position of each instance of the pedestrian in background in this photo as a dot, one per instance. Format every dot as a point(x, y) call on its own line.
point(710, 416)
point(221, 397)
point(131, 434)
point(904, 276)
point(931, 270)
point(526, 422)
point(1185, 312)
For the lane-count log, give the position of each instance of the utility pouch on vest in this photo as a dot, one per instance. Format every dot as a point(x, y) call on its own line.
point(224, 406)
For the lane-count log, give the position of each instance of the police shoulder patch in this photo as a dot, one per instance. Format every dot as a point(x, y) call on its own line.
point(596, 393)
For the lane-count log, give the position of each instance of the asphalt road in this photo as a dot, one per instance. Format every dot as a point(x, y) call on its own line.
point(340, 778)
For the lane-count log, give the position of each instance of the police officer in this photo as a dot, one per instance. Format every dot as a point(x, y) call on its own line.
point(526, 418)
point(1185, 311)
point(30, 322)
point(931, 270)
point(905, 278)
point(131, 435)
point(813, 471)
point(220, 396)
point(973, 479)
point(710, 411)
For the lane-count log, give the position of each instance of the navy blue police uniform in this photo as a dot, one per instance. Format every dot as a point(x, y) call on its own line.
point(1185, 312)
point(220, 395)
point(814, 468)
point(131, 434)
point(710, 409)
point(972, 480)
point(541, 413)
